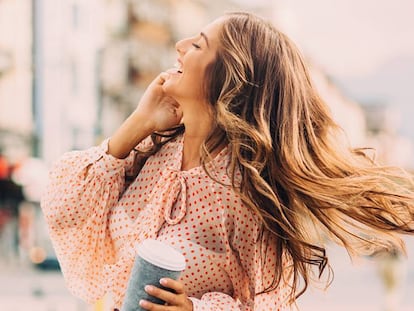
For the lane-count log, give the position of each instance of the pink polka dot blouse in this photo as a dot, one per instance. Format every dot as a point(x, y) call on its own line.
point(95, 219)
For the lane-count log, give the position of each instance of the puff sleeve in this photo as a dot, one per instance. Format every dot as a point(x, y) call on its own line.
point(83, 187)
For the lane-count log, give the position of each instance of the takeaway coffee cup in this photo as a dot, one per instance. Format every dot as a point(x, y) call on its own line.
point(154, 260)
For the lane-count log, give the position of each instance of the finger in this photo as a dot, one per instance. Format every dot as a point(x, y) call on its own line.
point(177, 286)
point(163, 76)
point(160, 79)
point(171, 298)
point(147, 305)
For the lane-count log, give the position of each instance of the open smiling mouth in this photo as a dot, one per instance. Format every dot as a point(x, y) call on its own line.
point(178, 67)
point(176, 70)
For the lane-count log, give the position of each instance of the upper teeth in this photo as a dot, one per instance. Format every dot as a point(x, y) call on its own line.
point(178, 66)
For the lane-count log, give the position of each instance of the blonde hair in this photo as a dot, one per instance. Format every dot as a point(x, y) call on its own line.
point(296, 176)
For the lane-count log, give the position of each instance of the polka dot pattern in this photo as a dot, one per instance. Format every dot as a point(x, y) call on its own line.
point(95, 220)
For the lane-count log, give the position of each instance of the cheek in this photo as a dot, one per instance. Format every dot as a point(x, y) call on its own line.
point(196, 79)
point(188, 85)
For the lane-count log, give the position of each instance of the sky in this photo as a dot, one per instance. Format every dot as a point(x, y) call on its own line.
point(351, 37)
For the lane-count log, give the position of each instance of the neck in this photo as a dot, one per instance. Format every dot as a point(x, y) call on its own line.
point(198, 125)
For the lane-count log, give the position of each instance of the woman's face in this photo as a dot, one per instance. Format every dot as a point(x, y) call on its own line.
point(186, 81)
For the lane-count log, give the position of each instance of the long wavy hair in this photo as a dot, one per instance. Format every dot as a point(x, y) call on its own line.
point(304, 185)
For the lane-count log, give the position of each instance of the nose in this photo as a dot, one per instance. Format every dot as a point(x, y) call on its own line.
point(179, 46)
point(182, 46)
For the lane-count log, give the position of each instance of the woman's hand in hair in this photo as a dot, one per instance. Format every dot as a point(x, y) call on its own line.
point(177, 300)
point(161, 111)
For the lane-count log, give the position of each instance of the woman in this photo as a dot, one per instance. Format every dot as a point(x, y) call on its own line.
point(233, 159)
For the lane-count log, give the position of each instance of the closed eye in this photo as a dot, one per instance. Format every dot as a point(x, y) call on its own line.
point(196, 45)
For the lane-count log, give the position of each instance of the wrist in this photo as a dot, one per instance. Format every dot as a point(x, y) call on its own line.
point(134, 129)
point(143, 124)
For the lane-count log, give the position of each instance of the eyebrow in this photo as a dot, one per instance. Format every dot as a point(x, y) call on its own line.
point(205, 38)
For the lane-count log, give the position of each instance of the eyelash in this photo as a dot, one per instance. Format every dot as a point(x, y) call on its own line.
point(196, 46)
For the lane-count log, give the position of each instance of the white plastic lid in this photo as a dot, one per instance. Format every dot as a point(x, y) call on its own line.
point(161, 255)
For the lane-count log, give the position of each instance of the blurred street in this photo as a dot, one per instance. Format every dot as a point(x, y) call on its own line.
point(24, 289)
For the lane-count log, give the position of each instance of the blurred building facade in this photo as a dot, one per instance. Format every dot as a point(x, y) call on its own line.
point(92, 60)
point(15, 78)
point(68, 36)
